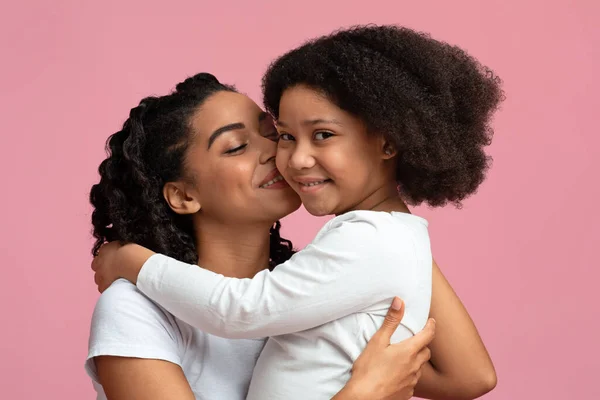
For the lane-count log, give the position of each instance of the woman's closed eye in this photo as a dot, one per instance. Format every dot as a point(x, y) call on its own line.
point(236, 149)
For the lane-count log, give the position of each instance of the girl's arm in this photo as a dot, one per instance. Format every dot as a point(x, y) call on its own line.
point(306, 291)
point(460, 366)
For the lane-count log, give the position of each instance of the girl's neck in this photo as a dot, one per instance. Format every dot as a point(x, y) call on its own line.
point(383, 198)
point(237, 251)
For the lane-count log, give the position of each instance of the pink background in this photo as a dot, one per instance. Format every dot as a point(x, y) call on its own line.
point(520, 253)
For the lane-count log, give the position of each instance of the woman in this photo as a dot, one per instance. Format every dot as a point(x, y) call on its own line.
point(172, 149)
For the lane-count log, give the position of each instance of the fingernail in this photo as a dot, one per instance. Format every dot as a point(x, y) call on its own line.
point(396, 304)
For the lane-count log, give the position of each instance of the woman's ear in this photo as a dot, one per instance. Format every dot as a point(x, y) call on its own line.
point(179, 199)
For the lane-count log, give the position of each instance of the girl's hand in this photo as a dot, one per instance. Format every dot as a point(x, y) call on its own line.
point(115, 261)
point(104, 266)
point(385, 371)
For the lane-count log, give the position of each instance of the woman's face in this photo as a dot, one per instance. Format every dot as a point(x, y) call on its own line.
point(326, 154)
point(231, 163)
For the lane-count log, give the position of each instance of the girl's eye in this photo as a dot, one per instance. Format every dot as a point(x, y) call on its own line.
point(236, 149)
point(285, 137)
point(323, 135)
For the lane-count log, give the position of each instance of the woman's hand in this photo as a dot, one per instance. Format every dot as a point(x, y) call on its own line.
point(385, 371)
point(115, 261)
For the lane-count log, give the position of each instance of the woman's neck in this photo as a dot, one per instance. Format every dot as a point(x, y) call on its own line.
point(237, 251)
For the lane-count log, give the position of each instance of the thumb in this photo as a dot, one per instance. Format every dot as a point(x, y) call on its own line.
point(392, 320)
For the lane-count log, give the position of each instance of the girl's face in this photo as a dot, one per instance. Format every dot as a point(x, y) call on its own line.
point(326, 154)
point(230, 165)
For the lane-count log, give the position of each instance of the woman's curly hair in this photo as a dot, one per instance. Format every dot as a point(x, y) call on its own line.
point(146, 153)
point(432, 101)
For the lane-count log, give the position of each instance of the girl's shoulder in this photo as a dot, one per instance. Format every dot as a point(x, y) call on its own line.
point(377, 219)
point(362, 226)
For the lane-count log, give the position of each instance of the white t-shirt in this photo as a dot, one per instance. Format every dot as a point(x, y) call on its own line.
point(127, 324)
point(320, 307)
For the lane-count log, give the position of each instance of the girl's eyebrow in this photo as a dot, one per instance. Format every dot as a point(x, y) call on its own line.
point(313, 122)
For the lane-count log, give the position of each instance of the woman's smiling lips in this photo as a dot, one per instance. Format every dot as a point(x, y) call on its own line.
point(273, 180)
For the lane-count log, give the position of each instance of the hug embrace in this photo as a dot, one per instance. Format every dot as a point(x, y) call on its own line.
point(202, 298)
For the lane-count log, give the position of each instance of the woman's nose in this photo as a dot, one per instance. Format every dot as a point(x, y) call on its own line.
point(268, 150)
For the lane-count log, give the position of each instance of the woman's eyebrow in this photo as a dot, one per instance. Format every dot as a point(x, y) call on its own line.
point(223, 129)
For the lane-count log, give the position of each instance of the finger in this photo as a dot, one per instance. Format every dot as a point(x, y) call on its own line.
point(390, 323)
point(418, 375)
point(423, 356)
point(423, 338)
point(415, 379)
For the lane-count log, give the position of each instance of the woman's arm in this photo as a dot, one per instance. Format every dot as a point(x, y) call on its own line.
point(310, 289)
point(124, 378)
point(460, 366)
point(134, 347)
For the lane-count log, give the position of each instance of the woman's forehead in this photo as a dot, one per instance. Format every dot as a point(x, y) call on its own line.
point(222, 109)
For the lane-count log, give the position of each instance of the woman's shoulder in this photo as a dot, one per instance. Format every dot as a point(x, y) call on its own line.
point(123, 297)
point(124, 314)
point(125, 323)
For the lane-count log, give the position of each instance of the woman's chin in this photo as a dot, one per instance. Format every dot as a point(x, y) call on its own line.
point(286, 206)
